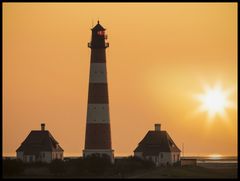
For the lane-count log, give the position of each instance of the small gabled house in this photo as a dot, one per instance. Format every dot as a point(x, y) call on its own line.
point(39, 146)
point(158, 147)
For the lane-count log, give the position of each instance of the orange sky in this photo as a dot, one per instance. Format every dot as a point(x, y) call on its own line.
point(160, 54)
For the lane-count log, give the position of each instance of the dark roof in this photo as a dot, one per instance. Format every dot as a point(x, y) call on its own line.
point(38, 141)
point(98, 27)
point(155, 142)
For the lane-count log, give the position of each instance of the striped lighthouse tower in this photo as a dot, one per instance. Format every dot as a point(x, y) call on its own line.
point(98, 132)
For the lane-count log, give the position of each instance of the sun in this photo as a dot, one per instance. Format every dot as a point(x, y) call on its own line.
point(215, 156)
point(214, 101)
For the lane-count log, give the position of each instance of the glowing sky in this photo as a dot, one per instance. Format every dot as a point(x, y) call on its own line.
point(160, 55)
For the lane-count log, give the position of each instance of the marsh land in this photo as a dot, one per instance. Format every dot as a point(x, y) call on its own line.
point(128, 167)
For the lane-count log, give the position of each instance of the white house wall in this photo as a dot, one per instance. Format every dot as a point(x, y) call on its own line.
point(20, 155)
point(166, 158)
point(177, 157)
point(27, 158)
point(138, 154)
point(47, 157)
point(57, 155)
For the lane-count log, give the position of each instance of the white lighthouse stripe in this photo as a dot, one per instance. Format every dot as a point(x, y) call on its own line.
point(98, 73)
point(98, 113)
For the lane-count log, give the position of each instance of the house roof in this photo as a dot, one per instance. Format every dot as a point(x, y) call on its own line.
point(38, 141)
point(155, 142)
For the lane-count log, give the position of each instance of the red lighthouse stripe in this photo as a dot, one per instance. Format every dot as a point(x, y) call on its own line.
point(98, 56)
point(98, 136)
point(98, 93)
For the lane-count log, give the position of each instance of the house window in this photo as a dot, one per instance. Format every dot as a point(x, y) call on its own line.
point(161, 155)
point(173, 157)
point(30, 158)
point(153, 159)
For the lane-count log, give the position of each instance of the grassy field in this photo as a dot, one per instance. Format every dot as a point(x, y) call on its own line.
point(167, 172)
point(123, 168)
point(187, 172)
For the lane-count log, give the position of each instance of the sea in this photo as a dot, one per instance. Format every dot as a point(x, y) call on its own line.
point(207, 159)
point(223, 162)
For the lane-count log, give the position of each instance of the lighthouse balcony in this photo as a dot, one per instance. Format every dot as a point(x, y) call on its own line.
point(106, 44)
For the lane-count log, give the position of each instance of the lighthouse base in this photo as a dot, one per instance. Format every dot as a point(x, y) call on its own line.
point(100, 152)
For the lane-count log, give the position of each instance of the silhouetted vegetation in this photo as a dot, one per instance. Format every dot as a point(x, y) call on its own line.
point(177, 164)
point(91, 166)
point(131, 164)
point(12, 167)
point(57, 167)
point(95, 166)
point(36, 164)
point(75, 167)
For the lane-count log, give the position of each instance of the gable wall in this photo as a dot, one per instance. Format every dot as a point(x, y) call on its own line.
point(163, 158)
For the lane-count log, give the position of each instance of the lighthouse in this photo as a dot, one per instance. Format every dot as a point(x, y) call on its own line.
point(98, 130)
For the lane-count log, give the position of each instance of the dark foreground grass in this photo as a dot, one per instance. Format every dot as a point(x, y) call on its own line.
point(166, 172)
point(129, 167)
point(187, 172)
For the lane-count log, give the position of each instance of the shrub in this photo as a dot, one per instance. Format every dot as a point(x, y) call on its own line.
point(36, 164)
point(57, 167)
point(130, 164)
point(12, 167)
point(75, 167)
point(96, 164)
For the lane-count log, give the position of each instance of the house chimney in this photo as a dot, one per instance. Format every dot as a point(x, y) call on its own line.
point(43, 126)
point(157, 127)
